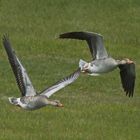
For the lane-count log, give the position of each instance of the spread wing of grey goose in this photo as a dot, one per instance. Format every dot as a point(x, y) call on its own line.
point(102, 62)
point(30, 99)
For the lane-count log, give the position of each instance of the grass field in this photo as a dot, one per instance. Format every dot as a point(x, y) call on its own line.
point(95, 108)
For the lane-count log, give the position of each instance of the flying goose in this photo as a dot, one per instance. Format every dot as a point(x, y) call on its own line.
point(102, 62)
point(30, 100)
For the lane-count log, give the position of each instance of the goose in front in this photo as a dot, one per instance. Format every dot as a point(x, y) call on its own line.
point(30, 100)
point(102, 62)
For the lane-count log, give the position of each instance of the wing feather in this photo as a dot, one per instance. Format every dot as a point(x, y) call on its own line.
point(61, 84)
point(94, 41)
point(22, 79)
point(128, 76)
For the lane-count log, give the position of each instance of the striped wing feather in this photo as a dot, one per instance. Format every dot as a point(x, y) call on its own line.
point(22, 79)
point(61, 84)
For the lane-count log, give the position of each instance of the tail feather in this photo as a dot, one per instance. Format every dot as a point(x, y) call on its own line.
point(82, 63)
point(13, 100)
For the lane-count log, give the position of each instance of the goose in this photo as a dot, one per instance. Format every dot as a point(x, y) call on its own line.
point(102, 62)
point(30, 99)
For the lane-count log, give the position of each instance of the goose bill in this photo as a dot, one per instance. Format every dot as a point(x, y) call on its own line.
point(60, 105)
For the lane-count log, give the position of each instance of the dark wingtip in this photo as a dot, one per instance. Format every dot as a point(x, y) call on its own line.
point(130, 91)
point(130, 94)
point(5, 38)
point(73, 35)
point(62, 36)
point(59, 36)
point(128, 76)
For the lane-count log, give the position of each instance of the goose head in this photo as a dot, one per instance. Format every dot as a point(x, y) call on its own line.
point(56, 103)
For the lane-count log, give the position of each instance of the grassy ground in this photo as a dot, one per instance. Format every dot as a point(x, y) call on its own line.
point(96, 108)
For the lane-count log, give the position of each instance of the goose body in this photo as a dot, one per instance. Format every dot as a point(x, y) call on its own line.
point(98, 67)
point(32, 102)
point(30, 99)
point(102, 62)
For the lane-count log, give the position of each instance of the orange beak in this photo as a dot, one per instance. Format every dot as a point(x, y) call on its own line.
point(60, 105)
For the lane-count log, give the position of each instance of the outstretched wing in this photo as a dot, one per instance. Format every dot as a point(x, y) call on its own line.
point(61, 84)
point(23, 81)
point(127, 74)
point(94, 40)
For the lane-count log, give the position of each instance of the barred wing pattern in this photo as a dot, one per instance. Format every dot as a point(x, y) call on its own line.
point(22, 79)
point(61, 84)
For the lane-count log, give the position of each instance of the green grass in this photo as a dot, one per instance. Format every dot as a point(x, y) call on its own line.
point(96, 108)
